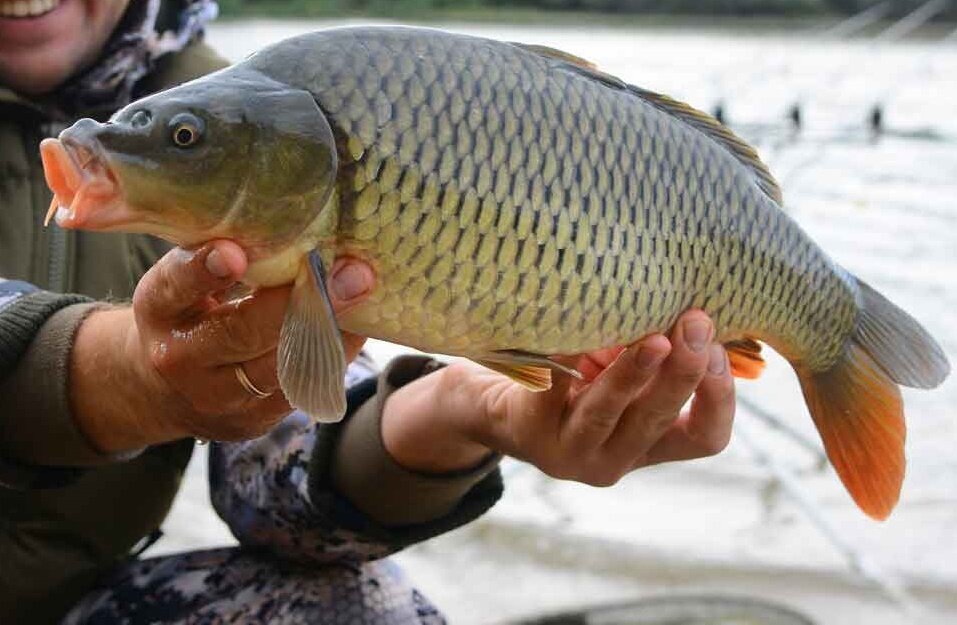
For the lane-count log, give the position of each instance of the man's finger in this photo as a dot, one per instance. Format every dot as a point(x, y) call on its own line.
point(595, 412)
point(260, 372)
point(705, 429)
point(352, 345)
point(253, 419)
point(181, 284)
point(684, 368)
point(350, 281)
point(238, 331)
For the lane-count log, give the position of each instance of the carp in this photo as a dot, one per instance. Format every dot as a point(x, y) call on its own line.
point(515, 202)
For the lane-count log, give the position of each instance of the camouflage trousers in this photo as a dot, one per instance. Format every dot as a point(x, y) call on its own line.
point(297, 562)
point(239, 585)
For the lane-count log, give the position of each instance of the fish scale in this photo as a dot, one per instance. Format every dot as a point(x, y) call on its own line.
point(516, 203)
point(543, 121)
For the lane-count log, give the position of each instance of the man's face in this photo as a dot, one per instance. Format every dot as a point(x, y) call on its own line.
point(44, 42)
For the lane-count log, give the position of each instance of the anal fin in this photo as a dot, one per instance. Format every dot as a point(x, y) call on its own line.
point(745, 357)
point(533, 371)
point(311, 359)
point(531, 377)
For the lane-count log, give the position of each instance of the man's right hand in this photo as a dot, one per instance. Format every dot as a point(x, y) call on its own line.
point(167, 367)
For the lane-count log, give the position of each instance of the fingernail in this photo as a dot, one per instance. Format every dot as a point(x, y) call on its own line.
point(716, 360)
point(216, 264)
point(350, 282)
point(697, 334)
point(647, 358)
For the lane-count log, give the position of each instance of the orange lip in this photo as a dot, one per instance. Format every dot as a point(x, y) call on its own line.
point(83, 185)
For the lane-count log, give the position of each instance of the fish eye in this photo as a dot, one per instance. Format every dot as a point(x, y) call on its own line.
point(187, 129)
point(140, 118)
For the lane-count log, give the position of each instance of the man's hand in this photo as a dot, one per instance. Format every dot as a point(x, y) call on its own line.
point(167, 367)
point(625, 415)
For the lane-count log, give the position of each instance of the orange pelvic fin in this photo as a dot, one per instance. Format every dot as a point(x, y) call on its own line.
point(531, 377)
point(858, 411)
point(745, 357)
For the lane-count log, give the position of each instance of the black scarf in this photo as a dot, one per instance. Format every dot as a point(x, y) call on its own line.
point(131, 52)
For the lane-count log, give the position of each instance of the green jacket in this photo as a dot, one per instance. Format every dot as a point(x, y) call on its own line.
point(60, 539)
point(55, 541)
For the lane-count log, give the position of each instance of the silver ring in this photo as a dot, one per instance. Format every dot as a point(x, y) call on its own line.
point(248, 384)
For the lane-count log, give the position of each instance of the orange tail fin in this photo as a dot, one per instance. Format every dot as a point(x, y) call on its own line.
point(858, 411)
point(856, 404)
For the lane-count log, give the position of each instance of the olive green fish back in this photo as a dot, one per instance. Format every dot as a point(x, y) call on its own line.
point(513, 199)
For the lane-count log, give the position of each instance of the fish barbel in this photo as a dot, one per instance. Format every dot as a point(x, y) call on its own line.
point(515, 202)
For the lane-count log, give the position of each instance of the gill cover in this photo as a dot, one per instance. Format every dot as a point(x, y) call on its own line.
point(235, 154)
point(293, 158)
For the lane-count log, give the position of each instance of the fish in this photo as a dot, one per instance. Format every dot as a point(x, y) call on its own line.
point(516, 203)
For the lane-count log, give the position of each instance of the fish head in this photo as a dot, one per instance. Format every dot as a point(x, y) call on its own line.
point(227, 156)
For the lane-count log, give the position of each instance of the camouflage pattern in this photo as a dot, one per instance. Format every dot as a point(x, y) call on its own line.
point(297, 562)
point(260, 488)
point(511, 197)
point(242, 586)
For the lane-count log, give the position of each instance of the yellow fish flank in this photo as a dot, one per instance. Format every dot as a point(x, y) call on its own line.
point(516, 203)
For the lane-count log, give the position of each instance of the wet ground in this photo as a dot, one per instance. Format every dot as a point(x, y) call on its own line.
point(886, 209)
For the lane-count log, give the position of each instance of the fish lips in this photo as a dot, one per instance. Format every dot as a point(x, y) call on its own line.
point(86, 192)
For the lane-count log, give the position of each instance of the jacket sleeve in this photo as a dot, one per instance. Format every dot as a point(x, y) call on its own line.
point(39, 444)
point(286, 491)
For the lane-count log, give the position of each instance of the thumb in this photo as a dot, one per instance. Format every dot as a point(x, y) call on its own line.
point(350, 282)
point(182, 282)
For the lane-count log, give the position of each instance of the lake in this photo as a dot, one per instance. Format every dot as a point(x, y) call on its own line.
point(885, 208)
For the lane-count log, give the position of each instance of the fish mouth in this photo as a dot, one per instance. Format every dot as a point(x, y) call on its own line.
point(86, 192)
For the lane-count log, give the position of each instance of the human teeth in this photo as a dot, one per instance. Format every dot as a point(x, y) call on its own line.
point(27, 8)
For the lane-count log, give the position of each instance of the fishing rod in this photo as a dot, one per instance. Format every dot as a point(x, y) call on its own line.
point(912, 21)
point(773, 421)
point(875, 117)
point(876, 113)
point(895, 32)
point(859, 561)
point(844, 29)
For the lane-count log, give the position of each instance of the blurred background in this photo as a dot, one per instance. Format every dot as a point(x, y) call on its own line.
point(853, 104)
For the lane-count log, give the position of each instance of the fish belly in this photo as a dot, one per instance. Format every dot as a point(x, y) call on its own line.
point(510, 204)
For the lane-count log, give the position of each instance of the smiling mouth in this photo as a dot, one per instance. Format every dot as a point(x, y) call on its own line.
point(86, 193)
point(27, 8)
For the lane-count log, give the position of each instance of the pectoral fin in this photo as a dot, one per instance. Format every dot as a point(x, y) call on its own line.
point(533, 371)
point(312, 362)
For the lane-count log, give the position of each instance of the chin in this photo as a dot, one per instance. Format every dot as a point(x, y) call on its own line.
point(39, 53)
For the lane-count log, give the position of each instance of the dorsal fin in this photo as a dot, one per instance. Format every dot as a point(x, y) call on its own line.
point(741, 150)
point(554, 53)
point(703, 122)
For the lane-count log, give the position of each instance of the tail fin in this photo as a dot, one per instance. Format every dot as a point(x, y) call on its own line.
point(856, 404)
point(903, 349)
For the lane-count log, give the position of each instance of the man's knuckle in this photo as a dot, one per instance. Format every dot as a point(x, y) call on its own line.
point(238, 331)
point(556, 469)
point(713, 443)
point(600, 419)
point(603, 476)
point(726, 389)
point(206, 405)
point(688, 377)
point(166, 359)
point(660, 415)
point(141, 298)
